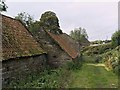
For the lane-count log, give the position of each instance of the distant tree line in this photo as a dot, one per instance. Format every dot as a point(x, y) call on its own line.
point(100, 41)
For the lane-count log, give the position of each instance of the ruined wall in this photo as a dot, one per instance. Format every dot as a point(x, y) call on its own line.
point(20, 68)
point(56, 56)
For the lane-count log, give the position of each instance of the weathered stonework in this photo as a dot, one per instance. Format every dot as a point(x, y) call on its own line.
point(21, 53)
point(20, 68)
point(56, 55)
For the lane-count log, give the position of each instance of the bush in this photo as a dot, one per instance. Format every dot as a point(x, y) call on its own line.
point(76, 64)
point(116, 38)
point(73, 66)
point(116, 69)
point(96, 50)
point(98, 59)
point(112, 59)
point(88, 59)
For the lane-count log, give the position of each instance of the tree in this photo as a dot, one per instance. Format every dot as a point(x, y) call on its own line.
point(25, 18)
point(35, 26)
point(116, 38)
point(50, 22)
point(79, 35)
point(3, 6)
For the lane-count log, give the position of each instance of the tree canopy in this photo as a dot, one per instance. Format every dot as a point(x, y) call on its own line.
point(50, 22)
point(25, 18)
point(116, 38)
point(79, 34)
point(3, 6)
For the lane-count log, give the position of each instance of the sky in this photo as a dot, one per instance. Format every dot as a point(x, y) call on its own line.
point(100, 19)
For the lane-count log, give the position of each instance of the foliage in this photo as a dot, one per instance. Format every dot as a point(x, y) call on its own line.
point(50, 22)
point(25, 18)
point(49, 18)
point(111, 59)
point(107, 41)
point(35, 26)
point(103, 53)
point(3, 6)
point(92, 59)
point(49, 78)
point(79, 34)
point(100, 41)
point(116, 38)
point(96, 50)
point(75, 65)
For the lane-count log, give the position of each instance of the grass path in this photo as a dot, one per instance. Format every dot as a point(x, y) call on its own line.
point(91, 76)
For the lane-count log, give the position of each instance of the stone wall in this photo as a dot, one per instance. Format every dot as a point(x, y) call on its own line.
point(56, 56)
point(19, 68)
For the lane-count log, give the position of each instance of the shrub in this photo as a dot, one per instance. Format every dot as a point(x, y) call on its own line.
point(116, 70)
point(96, 50)
point(89, 59)
point(76, 64)
point(98, 59)
point(116, 38)
point(112, 59)
point(73, 66)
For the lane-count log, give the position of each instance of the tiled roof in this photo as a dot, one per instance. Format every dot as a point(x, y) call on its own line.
point(64, 44)
point(17, 40)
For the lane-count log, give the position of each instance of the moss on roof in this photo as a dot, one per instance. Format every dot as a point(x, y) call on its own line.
point(17, 40)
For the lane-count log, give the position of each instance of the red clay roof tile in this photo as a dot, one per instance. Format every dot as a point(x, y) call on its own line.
point(17, 40)
point(63, 43)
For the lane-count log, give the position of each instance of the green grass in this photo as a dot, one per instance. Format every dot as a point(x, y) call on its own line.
point(93, 77)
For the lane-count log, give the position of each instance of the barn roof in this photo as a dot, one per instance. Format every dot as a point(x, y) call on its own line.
point(64, 44)
point(17, 41)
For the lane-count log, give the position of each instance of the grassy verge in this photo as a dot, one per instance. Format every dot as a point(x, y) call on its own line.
point(93, 77)
point(103, 54)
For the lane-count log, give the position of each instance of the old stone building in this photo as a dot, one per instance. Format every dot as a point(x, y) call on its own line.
point(21, 53)
point(60, 47)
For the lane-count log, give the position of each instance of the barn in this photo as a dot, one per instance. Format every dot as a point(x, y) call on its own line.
point(60, 47)
point(21, 53)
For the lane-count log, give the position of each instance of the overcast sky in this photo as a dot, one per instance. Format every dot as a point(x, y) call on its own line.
point(100, 19)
